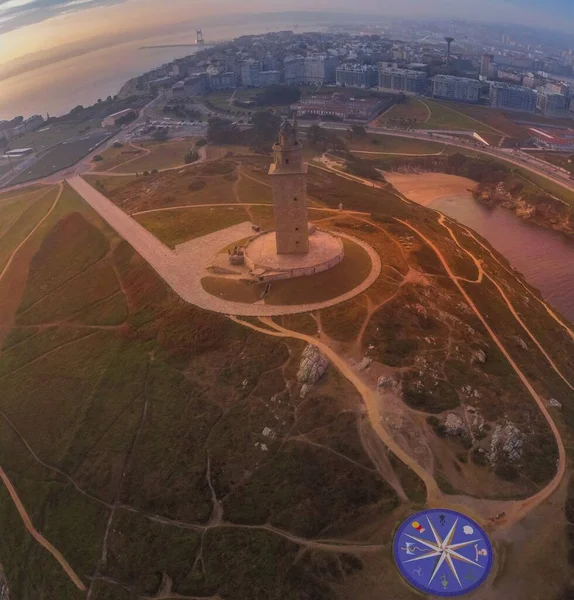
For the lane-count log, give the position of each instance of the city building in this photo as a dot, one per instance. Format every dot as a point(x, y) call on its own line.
point(550, 103)
point(512, 97)
point(485, 65)
point(339, 107)
point(549, 139)
point(222, 81)
point(510, 76)
point(320, 69)
point(294, 69)
point(161, 83)
point(406, 81)
point(250, 73)
point(315, 70)
point(358, 76)
point(196, 85)
point(269, 78)
point(460, 89)
point(119, 118)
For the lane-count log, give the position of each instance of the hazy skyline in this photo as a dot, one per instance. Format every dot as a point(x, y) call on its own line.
point(28, 26)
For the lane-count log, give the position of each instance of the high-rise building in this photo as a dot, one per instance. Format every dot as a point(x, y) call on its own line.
point(294, 68)
point(250, 70)
point(222, 81)
point(360, 76)
point(512, 97)
point(320, 69)
point(405, 81)
point(316, 70)
point(550, 103)
point(269, 78)
point(485, 65)
point(460, 89)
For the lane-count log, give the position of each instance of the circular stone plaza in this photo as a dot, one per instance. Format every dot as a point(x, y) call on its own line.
point(294, 250)
point(325, 251)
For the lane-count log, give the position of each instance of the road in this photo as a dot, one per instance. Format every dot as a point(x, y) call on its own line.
point(516, 157)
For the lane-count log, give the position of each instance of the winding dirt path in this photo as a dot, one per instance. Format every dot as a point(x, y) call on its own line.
point(9, 486)
point(37, 535)
point(509, 271)
point(520, 508)
point(508, 303)
point(370, 398)
point(38, 225)
point(517, 509)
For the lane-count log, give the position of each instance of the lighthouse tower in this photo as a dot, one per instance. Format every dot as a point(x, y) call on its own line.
point(289, 192)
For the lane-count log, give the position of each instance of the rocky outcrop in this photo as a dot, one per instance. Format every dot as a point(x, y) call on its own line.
point(4, 591)
point(454, 425)
point(506, 444)
point(542, 209)
point(311, 366)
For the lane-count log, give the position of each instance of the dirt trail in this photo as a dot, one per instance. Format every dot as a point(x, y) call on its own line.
point(518, 509)
point(146, 151)
point(23, 242)
point(38, 536)
point(370, 398)
point(9, 486)
point(543, 302)
point(508, 303)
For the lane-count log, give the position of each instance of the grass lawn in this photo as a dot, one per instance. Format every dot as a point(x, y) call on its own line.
point(447, 116)
point(177, 226)
point(114, 157)
point(163, 155)
point(232, 289)
point(12, 208)
point(17, 223)
point(50, 135)
point(393, 145)
point(553, 188)
point(347, 275)
point(110, 183)
point(250, 190)
point(410, 109)
point(21, 192)
point(60, 157)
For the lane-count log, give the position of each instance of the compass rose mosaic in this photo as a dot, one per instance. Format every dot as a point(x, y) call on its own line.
point(442, 552)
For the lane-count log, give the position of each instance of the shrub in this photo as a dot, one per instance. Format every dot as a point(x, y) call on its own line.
point(117, 145)
point(98, 158)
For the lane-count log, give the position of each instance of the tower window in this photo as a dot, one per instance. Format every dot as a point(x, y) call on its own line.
point(294, 199)
point(296, 228)
point(286, 161)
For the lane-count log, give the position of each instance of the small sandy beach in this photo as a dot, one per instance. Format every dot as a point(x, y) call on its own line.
point(424, 188)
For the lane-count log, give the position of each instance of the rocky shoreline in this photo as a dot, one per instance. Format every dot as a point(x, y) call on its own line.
point(540, 208)
point(545, 211)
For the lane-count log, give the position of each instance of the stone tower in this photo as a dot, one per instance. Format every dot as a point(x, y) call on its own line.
point(289, 192)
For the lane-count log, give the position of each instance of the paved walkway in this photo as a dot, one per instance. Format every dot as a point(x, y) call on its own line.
point(183, 269)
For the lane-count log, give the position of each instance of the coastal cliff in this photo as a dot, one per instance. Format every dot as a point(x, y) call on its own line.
point(542, 209)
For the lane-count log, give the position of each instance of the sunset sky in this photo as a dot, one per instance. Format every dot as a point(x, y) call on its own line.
point(29, 26)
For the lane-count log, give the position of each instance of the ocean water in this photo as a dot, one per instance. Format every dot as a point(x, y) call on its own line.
point(57, 88)
point(543, 256)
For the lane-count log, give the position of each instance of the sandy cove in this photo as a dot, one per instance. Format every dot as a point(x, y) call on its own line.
point(425, 188)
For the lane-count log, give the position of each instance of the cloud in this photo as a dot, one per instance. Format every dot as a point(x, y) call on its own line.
point(15, 14)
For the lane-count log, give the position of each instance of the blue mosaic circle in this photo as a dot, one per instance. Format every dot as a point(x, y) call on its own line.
point(442, 552)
